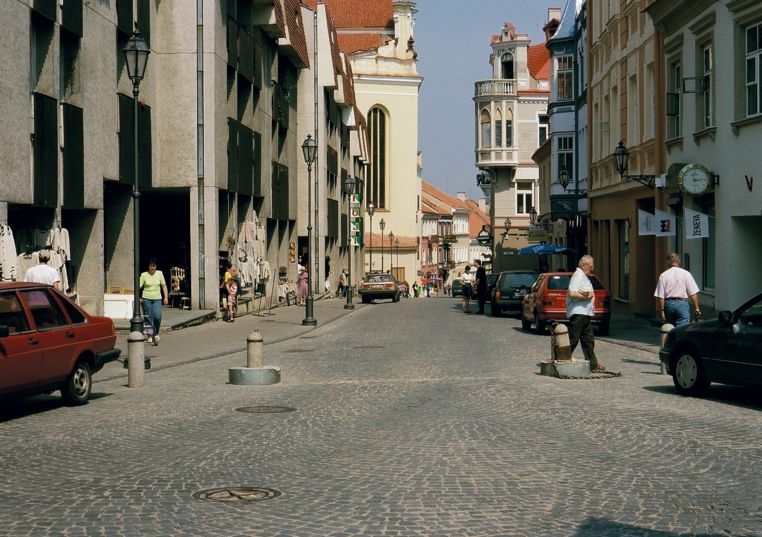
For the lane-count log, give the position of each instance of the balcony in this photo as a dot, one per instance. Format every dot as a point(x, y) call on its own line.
point(495, 88)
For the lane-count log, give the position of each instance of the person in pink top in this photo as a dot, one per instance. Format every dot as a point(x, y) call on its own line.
point(675, 292)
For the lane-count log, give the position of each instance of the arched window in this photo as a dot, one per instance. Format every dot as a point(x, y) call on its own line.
point(506, 65)
point(498, 128)
point(379, 143)
point(486, 131)
point(509, 128)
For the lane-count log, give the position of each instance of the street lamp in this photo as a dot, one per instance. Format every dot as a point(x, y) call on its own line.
point(563, 178)
point(349, 189)
point(397, 245)
point(532, 215)
point(371, 209)
point(621, 160)
point(382, 225)
point(507, 225)
point(309, 148)
point(391, 240)
point(136, 57)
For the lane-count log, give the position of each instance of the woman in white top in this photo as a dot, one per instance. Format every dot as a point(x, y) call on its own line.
point(468, 287)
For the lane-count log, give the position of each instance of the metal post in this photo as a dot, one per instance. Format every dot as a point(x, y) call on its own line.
point(348, 283)
point(308, 318)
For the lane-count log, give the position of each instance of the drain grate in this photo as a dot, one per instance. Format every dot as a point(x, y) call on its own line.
point(237, 494)
point(265, 409)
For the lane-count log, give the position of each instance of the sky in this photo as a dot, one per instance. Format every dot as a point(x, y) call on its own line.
point(452, 41)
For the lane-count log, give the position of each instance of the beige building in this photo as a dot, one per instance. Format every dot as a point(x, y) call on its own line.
point(511, 123)
point(623, 63)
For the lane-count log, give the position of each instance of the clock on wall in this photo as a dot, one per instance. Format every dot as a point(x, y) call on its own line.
point(694, 179)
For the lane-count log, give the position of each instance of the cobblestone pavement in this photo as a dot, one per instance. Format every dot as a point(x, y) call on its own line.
point(408, 419)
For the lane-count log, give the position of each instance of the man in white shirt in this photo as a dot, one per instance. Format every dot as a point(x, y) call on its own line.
point(580, 310)
point(675, 291)
point(42, 272)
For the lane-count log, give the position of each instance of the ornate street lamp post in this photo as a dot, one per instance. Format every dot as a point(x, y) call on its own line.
point(532, 215)
point(397, 246)
point(309, 148)
point(349, 189)
point(136, 57)
point(382, 225)
point(371, 209)
point(391, 240)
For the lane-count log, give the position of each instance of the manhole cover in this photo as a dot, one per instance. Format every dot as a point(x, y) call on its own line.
point(236, 494)
point(265, 409)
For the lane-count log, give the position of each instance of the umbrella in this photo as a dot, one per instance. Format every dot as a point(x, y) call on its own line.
point(544, 249)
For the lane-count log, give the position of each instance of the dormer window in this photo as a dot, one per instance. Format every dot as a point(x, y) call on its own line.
point(508, 71)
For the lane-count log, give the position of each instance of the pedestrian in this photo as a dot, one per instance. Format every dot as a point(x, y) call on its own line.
point(675, 292)
point(230, 284)
point(154, 294)
point(42, 272)
point(468, 288)
point(580, 309)
point(341, 287)
point(301, 288)
point(481, 285)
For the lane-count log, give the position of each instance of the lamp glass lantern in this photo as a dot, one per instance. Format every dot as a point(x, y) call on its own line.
point(136, 57)
point(532, 215)
point(309, 149)
point(621, 158)
point(564, 177)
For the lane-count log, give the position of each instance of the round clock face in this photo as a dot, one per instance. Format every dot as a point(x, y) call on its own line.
point(694, 179)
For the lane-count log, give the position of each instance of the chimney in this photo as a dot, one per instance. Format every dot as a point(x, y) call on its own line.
point(461, 196)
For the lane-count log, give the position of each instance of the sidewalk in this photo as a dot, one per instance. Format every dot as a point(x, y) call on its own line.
point(211, 338)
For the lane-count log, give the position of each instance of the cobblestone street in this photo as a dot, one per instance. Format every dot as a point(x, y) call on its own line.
point(401, 420)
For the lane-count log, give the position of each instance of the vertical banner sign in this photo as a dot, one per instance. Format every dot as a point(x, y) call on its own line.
point(665, 224)
point(696, 224)
point(645, 223)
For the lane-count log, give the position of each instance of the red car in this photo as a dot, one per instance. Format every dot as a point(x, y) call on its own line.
point(546, 302)
point(48, 343)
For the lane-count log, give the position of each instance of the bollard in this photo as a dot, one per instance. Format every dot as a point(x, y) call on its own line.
point(665, 329)
point(254, 357)
point(560, 347)
point(135, 359)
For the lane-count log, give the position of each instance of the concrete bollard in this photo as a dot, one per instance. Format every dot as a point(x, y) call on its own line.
point(665, 329)
point(254, 356)
point(255, 371)
point(561, 349)
point(135, 359)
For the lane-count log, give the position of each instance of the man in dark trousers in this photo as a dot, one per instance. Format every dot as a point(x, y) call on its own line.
point(481, 285)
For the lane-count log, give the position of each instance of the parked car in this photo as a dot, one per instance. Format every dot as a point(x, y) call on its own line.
point(510, 289)
point(546, 302)
point(725, 350)
point(457, 287)
point(49, 343)
point(379, 285)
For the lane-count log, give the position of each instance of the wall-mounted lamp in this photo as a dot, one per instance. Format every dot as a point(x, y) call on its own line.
point(621, 160)
point(563, 177)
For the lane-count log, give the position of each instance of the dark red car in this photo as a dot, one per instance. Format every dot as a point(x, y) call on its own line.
point(546, 302)
point(49, 343)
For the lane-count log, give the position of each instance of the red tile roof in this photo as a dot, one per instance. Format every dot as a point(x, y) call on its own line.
point(538, 61)
point(292, 13)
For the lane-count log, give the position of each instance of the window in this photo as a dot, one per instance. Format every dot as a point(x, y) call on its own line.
point(485, 131)
point(524, 197)
point(753, 61)
point(377, 130)
point(565, 154)
point(506, 66)
point(674, 81)
point(498, 129)
point(45, 311)
point(705, 101)
point(509, 129)
point(542, 122)
point(565, 79)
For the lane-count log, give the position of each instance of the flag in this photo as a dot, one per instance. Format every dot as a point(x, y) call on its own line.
point(696, 224)
point(646, 223)
point(665, 224)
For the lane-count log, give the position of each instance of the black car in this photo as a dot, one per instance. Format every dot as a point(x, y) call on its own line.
point(725, 350)
point(491, 280)
point(510, 289)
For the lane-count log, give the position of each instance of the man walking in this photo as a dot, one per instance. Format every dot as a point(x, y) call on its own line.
point(580, 309)
point(481, 285)
point(42, 272)
point(675, 291)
